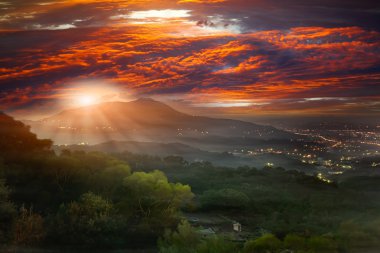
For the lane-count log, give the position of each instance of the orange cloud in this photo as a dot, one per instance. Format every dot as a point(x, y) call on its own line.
point(202, 1)
point(261, 67)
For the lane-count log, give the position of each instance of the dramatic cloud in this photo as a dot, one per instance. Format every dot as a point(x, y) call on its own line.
point(234, 56)
point(252, 15)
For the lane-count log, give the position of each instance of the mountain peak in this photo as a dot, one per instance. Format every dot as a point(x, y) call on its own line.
point(142, 109)
point(145, 99)
point(148, 102)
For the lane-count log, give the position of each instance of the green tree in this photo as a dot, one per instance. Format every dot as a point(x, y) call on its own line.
point(318, 244)
point(90, 221)
point(184, 239)
point(224, 198)
point(267, 243)
point(217, 244)
point(294, 242)
point(154, 198)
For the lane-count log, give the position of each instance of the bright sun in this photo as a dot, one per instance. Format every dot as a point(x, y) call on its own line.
point(92, 92)
point(86, 100)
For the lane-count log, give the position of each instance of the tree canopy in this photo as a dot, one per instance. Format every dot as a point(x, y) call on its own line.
point(16, 139)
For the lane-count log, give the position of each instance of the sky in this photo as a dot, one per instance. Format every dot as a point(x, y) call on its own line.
point(217, 57)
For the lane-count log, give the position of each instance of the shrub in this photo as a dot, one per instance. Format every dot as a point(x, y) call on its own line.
point(264, 244)
point(28, 228)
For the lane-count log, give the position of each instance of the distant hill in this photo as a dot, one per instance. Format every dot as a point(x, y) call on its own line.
point(158, 149)
point(145, 120)
point(149, 148)
point(189, 153)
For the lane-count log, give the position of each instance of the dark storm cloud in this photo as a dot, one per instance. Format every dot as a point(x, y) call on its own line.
point(251, 15)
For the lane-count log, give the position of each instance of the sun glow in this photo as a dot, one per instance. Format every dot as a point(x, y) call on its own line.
point(90, 92)
point(86, 100)
point(164, 14)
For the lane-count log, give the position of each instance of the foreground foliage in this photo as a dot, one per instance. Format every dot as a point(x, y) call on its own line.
point(186, 239)
point(92, 199)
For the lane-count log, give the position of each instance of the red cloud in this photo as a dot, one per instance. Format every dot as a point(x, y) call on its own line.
point(293, 64)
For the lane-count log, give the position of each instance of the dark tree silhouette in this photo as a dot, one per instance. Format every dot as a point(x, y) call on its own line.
point(16, 139)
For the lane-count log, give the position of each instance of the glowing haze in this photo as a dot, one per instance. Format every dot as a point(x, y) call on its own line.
point(230, 57)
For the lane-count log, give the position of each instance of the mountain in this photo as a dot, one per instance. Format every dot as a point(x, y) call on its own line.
point(143, 111)
point(147, 120)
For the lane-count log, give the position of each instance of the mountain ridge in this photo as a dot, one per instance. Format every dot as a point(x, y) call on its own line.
point(144, 119)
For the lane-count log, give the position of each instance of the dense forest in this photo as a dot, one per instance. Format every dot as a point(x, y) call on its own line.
point(86, 200)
